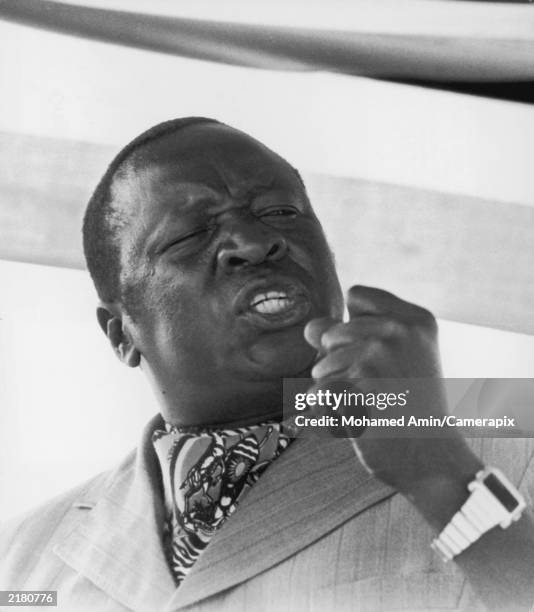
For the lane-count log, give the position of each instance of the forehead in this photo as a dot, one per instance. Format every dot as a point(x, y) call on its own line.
point(212, 155)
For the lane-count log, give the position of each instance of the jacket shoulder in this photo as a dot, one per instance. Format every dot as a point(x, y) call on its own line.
point(25, 539)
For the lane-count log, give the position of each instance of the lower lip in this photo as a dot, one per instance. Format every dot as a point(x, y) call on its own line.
point(292, 315)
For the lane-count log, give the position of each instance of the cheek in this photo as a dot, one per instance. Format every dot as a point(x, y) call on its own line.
point(316, 256)
point(183, 324)
point(179, 345)
point(310, 242)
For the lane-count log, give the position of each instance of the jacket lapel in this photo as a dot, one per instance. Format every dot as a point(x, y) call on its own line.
point(315, 486)
point(312, 488)
point(118, 543)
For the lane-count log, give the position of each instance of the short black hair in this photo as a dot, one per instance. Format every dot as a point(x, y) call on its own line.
point(102, 220)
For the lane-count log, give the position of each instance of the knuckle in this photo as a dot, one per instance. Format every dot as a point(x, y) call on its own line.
point(315, 330)
point(328, 342)
point(426, 320)
point(393, 329)
point(356, 289)
point(337, 335)
point(373, 349)
point(361, 294)
point(420, 319)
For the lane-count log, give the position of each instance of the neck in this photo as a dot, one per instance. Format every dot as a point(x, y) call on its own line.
point(224, 408)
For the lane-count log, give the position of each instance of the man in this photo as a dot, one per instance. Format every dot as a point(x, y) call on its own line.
point(216, 279)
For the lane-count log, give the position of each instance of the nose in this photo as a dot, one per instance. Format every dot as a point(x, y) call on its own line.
point(247, 243)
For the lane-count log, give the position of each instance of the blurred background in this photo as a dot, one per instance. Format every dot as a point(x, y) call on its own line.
point(412, 123)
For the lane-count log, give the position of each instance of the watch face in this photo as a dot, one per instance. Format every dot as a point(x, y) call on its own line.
point(501, 492)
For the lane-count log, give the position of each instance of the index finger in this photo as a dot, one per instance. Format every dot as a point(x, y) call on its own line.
point(315, 329)
point(363, 300)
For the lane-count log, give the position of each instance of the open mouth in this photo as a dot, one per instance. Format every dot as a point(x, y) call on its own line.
point(271, 302)
point(275, 304)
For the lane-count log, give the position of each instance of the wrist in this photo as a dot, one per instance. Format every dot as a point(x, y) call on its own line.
point(438, 489)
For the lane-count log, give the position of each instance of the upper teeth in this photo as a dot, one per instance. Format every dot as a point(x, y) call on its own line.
point(270, 295)
point(270, 302)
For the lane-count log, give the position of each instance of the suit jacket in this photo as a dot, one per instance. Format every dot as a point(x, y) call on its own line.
point(316, 532)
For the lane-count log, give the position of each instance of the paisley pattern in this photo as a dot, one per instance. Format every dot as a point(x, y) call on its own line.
point(205, 474)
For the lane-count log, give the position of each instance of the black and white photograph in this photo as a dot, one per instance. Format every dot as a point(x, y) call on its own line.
point(267, 305)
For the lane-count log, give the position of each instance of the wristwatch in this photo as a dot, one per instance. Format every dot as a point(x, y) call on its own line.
point(493, 501)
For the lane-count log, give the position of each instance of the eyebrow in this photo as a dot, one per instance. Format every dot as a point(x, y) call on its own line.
point(189, 195)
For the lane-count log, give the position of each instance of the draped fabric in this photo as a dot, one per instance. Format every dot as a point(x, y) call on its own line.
point(205, 474)
point(482, 48)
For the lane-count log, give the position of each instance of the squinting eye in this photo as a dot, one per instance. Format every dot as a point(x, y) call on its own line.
point(184, 239)
point(287, 211)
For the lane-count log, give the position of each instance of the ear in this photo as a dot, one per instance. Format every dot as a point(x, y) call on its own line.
point(111, 323)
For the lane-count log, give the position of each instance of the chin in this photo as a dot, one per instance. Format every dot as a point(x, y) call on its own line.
point(283, 361)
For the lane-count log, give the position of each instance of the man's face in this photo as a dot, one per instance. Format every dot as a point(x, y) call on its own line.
point(227, 263)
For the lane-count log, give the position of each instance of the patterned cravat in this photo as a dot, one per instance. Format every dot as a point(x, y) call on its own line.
point(204, 476)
